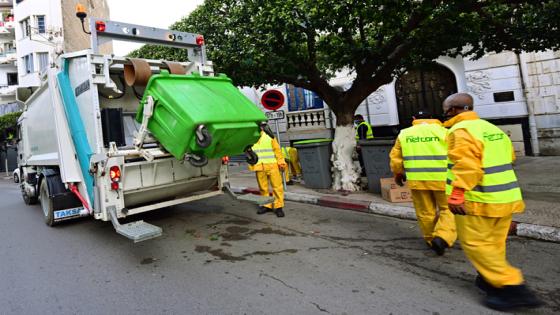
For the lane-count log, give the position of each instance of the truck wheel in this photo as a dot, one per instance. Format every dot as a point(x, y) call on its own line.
point(198, 160)
point(203, 137)
point(28, 199)
point(46, 203)
point(251, 157)
point(16, 178)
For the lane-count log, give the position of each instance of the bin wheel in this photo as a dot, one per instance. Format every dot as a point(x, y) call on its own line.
point(198, 160)
point(203, 137)
point(251, 157)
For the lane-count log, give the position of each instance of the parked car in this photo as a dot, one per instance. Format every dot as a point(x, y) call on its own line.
point(16, 175)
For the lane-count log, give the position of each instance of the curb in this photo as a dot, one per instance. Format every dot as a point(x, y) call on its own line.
point(534, 231)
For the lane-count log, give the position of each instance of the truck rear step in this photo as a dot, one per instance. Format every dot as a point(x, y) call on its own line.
point(137, 231)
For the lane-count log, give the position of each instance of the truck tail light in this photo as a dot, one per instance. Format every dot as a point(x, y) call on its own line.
point(115, 174)
point(100, 26)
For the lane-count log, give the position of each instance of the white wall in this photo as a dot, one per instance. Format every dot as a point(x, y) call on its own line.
point(51, 9)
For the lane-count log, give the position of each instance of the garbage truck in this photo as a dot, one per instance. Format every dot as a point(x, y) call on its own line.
point(110, 137)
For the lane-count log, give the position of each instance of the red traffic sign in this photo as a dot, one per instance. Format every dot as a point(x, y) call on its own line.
point(272, 99)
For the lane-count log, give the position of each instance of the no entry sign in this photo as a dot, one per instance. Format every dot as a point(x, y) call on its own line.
point(272, 99)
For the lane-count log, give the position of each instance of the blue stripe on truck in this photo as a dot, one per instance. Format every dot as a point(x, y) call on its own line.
point(76, 125)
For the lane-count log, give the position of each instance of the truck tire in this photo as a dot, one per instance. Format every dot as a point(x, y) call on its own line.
point(46, 203)
point(28, 200)
point(16, 178)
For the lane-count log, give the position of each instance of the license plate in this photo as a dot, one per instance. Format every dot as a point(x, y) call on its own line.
point(67, 213)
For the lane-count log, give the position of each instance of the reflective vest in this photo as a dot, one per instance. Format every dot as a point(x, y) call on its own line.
point(263, 149)
point(424, 152)
point(286, 153)
point(499, 183)
point(369, 134)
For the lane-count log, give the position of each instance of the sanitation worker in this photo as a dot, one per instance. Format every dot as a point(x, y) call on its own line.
point(294, 169)
point(267, 170)
point(363, 132)
point(483, 193)
point(420, 153)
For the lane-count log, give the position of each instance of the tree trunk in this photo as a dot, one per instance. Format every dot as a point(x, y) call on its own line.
point(346, 172)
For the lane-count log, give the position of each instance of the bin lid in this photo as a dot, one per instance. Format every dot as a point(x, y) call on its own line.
point(312, 141)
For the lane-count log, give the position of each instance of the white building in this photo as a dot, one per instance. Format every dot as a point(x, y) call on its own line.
point(520, 93)
point(8, 69)
point(47, 28)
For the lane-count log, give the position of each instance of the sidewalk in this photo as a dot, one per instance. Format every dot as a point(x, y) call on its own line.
point(539, 178)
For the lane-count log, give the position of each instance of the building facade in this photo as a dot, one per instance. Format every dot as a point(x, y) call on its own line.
point(8, 59)
point(46, 29)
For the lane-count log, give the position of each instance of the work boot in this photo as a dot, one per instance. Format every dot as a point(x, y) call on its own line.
point(262, 210)
point(510, 297)
point(290, 182)
point(483, 285)
point(279, 212)
point(439, 245)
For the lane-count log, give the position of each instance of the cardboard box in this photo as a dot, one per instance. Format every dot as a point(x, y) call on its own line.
point(392, 192)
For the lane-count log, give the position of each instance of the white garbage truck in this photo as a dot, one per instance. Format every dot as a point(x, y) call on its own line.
point(86, 146)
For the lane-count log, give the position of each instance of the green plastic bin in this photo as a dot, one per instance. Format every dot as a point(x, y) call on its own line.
point(315, 159)
point(184, 102)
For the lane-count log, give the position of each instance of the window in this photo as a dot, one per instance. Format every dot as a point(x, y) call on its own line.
point(41, 24)
point(504, 97)
point(43, 61)
point(25, 27)
point(28, 63)
point(12, 78)
point(18, 1)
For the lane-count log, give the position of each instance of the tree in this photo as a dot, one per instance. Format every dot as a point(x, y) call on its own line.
point(8, 124)
point(306, 42)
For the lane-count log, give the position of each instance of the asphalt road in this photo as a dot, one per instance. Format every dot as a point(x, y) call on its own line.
point(218, 257)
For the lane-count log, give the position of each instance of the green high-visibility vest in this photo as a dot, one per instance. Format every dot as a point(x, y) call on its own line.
point(369, 134)
point(263, 149)
point(499, 183)
point(424, 152)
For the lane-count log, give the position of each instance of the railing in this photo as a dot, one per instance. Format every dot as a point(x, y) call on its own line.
point(309, 120)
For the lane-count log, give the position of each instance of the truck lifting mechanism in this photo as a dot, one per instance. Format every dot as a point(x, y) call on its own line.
point(109, 137)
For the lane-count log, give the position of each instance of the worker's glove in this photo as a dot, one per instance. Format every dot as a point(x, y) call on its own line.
point(282, 166)
point(456, 201)
point(400, 179)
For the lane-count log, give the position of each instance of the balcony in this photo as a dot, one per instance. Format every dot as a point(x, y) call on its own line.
point(310, 124)
point(9, 56)
point(8, 90)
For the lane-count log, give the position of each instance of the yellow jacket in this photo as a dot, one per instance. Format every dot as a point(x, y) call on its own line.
point(397, 163)
point(465, 152)
point(267, 166)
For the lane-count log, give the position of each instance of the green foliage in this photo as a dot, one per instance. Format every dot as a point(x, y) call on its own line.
point(305, 42)
point(8, 123)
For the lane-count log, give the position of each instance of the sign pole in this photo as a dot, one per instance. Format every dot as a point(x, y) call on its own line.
point(281, 150)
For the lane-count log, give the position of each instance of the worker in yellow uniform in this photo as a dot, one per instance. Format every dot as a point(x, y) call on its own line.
point(419, 156)
point(363, 132)
point(267, 170)
point(483, 193)
point(294, 169)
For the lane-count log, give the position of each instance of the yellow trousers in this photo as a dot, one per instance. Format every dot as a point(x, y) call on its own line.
point(483, 240)
point(427, 203)
point(272, 175)
point(295, 167)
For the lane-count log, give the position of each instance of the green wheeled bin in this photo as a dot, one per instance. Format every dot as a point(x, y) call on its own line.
point(200, 115)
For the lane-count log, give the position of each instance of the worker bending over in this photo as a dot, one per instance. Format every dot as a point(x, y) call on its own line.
point(420, 152)
point(293, 170)
point(483, 194)
point(267, 170)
